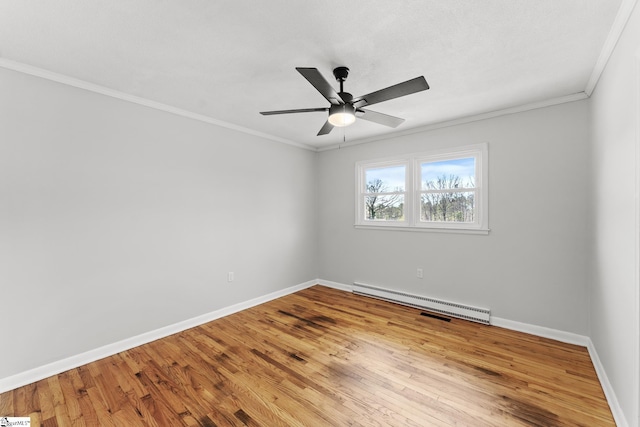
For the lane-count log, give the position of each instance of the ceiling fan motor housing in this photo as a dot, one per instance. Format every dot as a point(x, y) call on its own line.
point(346, 97)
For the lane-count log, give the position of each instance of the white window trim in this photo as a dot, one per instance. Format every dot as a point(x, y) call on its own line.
point(413, 189)
point(408, 203)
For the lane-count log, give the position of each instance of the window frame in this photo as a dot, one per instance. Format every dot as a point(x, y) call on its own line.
point(413, 191)
point(408, 203)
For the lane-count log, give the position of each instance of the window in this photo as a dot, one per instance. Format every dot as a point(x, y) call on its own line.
point(441, 191)
point(384, 193)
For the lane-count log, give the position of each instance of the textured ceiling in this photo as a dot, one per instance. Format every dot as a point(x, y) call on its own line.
point(228, 60)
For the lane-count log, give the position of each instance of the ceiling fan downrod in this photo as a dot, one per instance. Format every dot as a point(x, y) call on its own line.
point(341, 74)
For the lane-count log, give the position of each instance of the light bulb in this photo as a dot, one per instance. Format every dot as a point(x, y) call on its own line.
point(342, 115)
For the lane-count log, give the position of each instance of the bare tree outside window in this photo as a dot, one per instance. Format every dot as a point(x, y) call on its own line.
point(448, 199)
point(381, 203)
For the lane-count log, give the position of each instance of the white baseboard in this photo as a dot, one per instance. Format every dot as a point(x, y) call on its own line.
point(39, 373)
point(335, 285)
point(576, 339)
point(612, 399)
point(541, 331)
point(54, 368)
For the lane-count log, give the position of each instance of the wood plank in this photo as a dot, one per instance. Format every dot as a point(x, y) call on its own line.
point(72, 394)
point(326, 357)
point(6, 402)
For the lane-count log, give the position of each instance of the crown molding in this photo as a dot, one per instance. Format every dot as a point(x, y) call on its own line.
point(463, 120)
point(91, 87)
point(624, 13)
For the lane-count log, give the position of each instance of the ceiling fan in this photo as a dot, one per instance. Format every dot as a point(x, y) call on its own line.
point(344, 107)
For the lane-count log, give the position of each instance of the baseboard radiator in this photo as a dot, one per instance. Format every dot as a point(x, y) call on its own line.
point(475, 314)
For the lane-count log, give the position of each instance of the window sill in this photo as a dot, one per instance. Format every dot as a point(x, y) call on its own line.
point(481, 231)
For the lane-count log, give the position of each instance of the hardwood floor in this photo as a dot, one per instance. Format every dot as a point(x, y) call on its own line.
point(323, 357)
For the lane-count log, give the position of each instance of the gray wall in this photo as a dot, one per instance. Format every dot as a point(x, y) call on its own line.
point(117, 219)
point(614, 301)
point(531, 268)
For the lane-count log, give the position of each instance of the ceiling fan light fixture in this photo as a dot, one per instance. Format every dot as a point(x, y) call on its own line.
point(342, 115)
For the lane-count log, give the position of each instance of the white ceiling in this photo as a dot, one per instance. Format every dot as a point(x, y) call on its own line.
point(229, 59)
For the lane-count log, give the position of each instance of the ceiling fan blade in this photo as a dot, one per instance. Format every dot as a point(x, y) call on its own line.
point(321, 84)
point(302, 110)
point(401, 89)
point(383, 119)
point(325, 129)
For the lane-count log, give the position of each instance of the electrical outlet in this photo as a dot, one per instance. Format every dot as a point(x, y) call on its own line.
point(419, 274)
point(230, 276)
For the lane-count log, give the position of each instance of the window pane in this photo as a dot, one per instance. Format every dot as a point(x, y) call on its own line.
point(384, 208)
point(383, 180)
point(446, 174)
point(448, 207)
